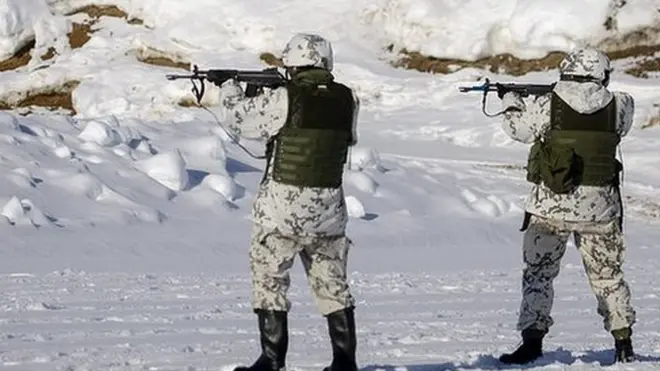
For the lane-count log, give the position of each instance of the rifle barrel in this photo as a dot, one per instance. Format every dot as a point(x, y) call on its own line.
point(465, 89)
point(175, 77)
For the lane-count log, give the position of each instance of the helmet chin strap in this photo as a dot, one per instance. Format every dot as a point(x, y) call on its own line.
point(606, 80)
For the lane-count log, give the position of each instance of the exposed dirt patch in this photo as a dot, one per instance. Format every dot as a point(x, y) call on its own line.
point(643, 68)
point(54, 97)
point(160, 58)
point(79, 36)
point(97, 11)
point(20, 59)
point(270, 59)
point(188, 102)
point(508, 64)
point(81, 32)
point(636, 44)
point(60, 97)
point(23, 57)
point(654, 121)
point(164, 61)
point(504, 63)
point(50, 53)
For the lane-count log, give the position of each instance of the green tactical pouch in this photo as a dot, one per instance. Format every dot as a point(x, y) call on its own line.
point(534, 163)
point(560, 168)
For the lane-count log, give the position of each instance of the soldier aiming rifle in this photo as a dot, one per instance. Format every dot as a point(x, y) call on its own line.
point(575, 126)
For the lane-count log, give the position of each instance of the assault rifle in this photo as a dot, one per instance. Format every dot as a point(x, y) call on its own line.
point(525, 90)
point(256, 80)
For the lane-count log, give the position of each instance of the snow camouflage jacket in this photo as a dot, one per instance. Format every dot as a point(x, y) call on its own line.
point(586, 203)
point(289, 209)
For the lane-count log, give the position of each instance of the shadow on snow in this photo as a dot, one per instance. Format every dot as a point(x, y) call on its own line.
point(488, 362)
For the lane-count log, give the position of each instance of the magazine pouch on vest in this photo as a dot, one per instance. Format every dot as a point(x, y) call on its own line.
point(579, 149)
point(311, 148)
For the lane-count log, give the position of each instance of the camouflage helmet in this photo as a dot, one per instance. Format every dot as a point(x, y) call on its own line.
point(587, 62)
point(308, 50)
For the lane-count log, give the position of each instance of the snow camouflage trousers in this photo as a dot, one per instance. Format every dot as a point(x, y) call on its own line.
point(602, 248)
point(324, 260)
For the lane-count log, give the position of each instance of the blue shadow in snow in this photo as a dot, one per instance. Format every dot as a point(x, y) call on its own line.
point(195, 178)
point(234, 166)
point(369, 217)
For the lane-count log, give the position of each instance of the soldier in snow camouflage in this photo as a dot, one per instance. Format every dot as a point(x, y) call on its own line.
point(582, 112)
point(308, 126)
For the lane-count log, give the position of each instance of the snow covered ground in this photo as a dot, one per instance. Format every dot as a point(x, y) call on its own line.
point(125, 227)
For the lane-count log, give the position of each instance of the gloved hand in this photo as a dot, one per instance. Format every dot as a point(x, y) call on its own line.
point(231, 93)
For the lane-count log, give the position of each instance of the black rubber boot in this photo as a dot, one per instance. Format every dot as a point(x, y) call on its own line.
point(274, 338)
point(623, 349)
point(341, 326)
point(530, 349)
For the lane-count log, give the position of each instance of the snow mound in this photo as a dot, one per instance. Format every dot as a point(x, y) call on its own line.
point(81, 184)
point(87, 185)
point(223, 184)
point(488, 205)
point(207, 147)
point(363, 158)
point(100, 133)
point(24, 213)
point(355, 207)
point(63, 152)
point(168, 169)
point(362, 181)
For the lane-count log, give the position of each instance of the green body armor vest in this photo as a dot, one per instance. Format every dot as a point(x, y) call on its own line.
point(579, 149)
point(311, 148)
